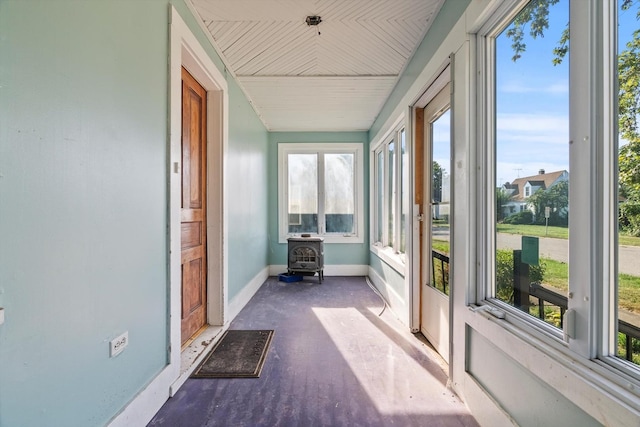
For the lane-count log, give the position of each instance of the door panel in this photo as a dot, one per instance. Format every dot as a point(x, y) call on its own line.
point(435, 242)
point(193, 213)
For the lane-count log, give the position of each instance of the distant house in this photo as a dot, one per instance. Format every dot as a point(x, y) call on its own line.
point(521, 189)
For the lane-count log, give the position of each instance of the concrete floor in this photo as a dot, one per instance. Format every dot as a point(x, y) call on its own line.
point(333, 361)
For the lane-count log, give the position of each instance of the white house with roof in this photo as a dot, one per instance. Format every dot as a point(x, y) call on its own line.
point(521, 189)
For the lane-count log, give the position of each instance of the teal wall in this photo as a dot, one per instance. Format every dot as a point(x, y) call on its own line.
point(392, 278)
point(529, 401)
point(336, 254)
point(83, 204)
point(247, 193)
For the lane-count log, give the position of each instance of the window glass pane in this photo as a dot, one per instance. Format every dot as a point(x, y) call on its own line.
point(404, 191)
point(628, 286)
point(303, 193)
point(440, 201)
point(339, 199)
point(532, 163)
point(391, 185)
point(380, 196)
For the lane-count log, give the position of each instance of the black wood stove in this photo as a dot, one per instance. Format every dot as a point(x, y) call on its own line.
point(306, 256)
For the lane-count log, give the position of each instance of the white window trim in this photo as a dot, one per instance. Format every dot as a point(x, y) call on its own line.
point(339, 147)
point(390, 257)
point(595, 300)
point(383, 250)
point(606, 334)
point(486, 153)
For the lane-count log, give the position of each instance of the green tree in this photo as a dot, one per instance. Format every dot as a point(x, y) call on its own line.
point(437, 182)
point(629, 217)
point(535, 18)
point(502, 198)
point(628, 110)
point(556, 198)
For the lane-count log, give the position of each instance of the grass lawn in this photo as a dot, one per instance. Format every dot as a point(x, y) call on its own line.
point(629, 292)
point(440, 245)
point(557, 276)
point(555, 232)
point(535, 230)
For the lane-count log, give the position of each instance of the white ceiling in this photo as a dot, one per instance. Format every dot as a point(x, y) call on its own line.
point(332, 77)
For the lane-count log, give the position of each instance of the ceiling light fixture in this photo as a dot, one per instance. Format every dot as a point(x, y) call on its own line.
point(313, 20)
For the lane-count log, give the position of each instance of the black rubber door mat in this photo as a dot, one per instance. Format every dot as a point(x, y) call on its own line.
point(238, 354)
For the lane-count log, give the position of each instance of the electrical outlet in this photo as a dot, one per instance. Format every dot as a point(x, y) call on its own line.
point(117, 345)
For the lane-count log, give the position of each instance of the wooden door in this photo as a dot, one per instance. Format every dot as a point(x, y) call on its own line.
point(193, 212)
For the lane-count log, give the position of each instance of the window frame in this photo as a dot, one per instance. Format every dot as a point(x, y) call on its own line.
point(390, 252)
point(593, 197)
point(321, 149)
point(606, 331)
point(486, 156)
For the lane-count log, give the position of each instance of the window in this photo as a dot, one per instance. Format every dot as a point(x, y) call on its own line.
point(320, 191)
point(527, 135)
point(391, 184)
point(380, 200)
point(575, 140)
point(624, 318)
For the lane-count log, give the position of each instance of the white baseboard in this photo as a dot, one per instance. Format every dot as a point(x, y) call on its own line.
point(240, 300)
point(329, 270)
point(140, 410)
point(274, 270)
point(148, 402)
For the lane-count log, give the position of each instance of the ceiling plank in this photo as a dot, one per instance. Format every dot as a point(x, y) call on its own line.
point(317, 78)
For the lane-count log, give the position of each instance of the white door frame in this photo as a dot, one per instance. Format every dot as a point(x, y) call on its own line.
point(185, 50)
point(435, 306)
point(441, 78)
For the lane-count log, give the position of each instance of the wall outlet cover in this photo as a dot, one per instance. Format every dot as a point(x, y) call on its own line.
point(118, 344)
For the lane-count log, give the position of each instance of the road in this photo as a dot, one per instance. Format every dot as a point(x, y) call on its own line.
point(556, 249)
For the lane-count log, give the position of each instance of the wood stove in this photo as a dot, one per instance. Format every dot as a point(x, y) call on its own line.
point(306, 256)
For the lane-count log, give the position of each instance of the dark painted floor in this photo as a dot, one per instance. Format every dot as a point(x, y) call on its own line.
point(333, 362)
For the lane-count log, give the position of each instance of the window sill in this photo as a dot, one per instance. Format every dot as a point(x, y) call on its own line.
point(593, 385)
point(390, 257)
point(328, 238)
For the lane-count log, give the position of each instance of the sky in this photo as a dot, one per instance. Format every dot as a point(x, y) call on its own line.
point(532, 103)
point(532, 127)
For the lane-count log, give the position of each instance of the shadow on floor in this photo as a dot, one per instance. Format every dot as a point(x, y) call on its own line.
point(333, 362)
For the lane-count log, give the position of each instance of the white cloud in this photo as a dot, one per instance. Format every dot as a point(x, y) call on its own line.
point(522, 140)
point(533, 122)
point(561, 87)
point(530, 142)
